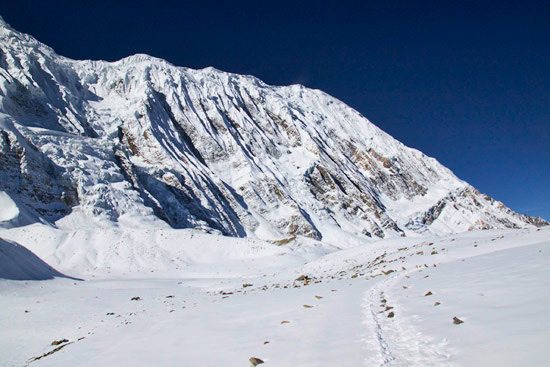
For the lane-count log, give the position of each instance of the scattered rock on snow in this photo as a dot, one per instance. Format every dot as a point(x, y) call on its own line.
point(285, 322)
point(428, 294)
point(391, 314)
point(437, 303)
point(56, 349)
point(457, 321)
point(61, 341)
point(308, 306)
point(255, 361)
point(135, 299)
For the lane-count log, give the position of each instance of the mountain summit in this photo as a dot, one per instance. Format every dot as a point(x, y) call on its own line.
point(145, 142)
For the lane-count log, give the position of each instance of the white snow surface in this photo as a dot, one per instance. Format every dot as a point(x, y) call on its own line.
point(193, 308)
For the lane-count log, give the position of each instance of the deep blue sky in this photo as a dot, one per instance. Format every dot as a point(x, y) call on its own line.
point(467, 83)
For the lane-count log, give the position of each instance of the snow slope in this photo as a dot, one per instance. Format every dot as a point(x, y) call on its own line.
point(141, 141)
point(495, 281)
point(18, 263)
point(158, 253)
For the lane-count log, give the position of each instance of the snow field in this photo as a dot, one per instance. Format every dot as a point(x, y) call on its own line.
point(495, 281)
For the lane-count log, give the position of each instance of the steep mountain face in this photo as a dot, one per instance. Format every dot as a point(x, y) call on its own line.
point(142, 139)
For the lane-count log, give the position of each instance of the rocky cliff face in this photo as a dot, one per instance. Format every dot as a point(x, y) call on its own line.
point(224, 152)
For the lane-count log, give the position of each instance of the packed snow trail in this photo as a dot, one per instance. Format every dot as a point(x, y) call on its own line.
point(395, 341)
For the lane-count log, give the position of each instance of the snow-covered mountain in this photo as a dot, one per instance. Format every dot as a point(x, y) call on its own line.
point(106, 168)
point(89, 143)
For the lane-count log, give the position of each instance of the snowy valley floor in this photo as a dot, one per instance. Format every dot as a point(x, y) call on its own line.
point(388, 303)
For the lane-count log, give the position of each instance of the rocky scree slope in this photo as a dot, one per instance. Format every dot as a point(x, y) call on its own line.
point(140, 138)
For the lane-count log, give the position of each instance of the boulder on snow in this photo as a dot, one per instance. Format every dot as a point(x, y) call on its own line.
point(457, 321)
point(255, 361)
